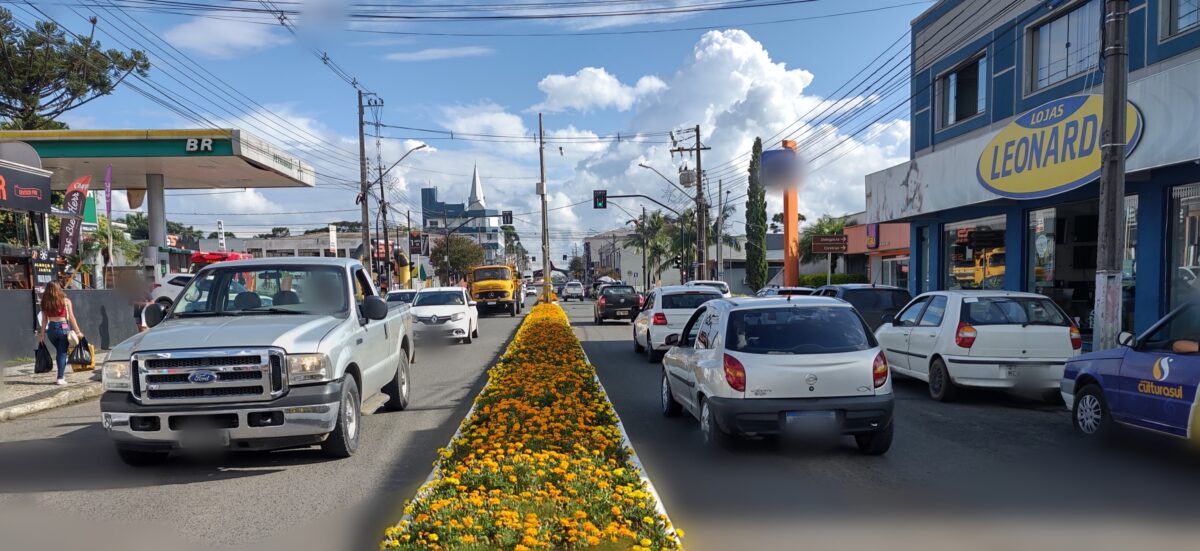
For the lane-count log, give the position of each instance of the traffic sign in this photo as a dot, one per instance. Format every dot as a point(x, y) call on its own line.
point(823, 244)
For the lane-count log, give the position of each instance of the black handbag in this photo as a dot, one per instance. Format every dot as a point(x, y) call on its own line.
point(43, 362)
point(82, 355)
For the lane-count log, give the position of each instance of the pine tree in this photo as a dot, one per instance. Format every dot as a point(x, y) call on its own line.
point(756, 224)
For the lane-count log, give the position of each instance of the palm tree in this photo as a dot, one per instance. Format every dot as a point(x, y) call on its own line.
point(825, 225)
point(653, 236)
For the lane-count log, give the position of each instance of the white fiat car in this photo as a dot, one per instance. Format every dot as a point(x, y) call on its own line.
point(445, 312)
point(993, 339)
point(798, 366)
point(712, 283)
point(664, 313)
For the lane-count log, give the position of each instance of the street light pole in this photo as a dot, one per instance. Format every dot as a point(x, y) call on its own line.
point(383, 206)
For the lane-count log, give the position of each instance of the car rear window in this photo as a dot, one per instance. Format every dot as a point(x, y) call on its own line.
point(626, 290)
point(687, 301)
point(795, 292)
point(794, 330)
point(718, 286)
point(877, 299)
point(1012, 311)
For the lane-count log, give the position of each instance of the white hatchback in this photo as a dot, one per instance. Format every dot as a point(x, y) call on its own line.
point(712, 283)
point(803, 366)
point(665, 311)
point(993, 339)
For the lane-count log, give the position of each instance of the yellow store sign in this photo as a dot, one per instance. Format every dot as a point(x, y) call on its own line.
point(1052, 149)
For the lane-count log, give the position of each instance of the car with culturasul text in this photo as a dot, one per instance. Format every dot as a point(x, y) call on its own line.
point(258, 354)
point(1149, 382)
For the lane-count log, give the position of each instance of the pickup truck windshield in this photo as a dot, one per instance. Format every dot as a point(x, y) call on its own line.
point(264, 290)
point(485, 274)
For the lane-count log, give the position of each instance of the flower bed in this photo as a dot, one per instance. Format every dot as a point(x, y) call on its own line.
point(540, 463)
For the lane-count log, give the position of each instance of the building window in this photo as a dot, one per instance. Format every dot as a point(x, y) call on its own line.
point(895, 271)
point(1182, 15)
point(975, 254)
point(964, 91)
point(433, 223)
point(1061, 250)
point(1067, 46)
point(1184, 267)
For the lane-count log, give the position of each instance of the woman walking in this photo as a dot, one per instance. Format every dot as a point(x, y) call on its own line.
point(58, 319)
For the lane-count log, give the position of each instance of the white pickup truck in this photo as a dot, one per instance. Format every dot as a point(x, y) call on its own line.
point(258, 354)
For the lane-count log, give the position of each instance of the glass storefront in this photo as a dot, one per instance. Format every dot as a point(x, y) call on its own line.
point(974, 253)
point(1183, 273)
point(895, 271)
point(926, 260)
point(1061, 247)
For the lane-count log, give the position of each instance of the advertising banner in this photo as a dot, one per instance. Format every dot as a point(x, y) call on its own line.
point(73, 203)
point(23, 191)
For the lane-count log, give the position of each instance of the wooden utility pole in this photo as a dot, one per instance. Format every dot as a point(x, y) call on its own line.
point(701, 213)
point(1110, 250)
point(364, 192)
point(546, 283)
point(645, 237)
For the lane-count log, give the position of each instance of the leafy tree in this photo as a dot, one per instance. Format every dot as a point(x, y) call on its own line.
point(777, 221)
point(513, 249)
point(576, 267)
point(343, 226)
point(138, 226)
point(48, 73)
point(123, 245)
point(275, 232)
point(215, 235)
point(656, 237)
point(756, 224)
point(825, 225)
point(454, 256)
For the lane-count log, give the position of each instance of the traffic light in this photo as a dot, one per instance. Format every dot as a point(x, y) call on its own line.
point(506, 218)
point(600, 199)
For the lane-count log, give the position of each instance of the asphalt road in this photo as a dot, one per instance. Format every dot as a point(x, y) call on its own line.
point(61, 484)
point(990, 469)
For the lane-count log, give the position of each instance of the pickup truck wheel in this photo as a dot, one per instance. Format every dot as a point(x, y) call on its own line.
point(343, 441)
point(875, 443)
point(512, 311)
point(941, 388)
point(397, 389)
point(140, 458)
point(1090, 413)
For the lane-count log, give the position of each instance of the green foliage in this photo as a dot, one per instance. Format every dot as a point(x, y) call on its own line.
point(138, 226)
point(659, 236)
point(214, 235)
point(777, 221)
point(454, 256)
point(343, 226)
point(756, 224)
point(817, 280)
point(275, 232)
point(48, 73)
point(123, 246)
point(513, 249)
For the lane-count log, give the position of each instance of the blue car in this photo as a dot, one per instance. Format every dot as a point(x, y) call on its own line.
point(1148, 382)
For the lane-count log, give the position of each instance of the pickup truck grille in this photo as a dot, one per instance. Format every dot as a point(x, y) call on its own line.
point(209, 376)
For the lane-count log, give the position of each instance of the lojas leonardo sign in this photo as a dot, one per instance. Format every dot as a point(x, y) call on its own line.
point(1051, 149)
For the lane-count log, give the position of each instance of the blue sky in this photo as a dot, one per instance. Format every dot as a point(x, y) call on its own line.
point(737, 84)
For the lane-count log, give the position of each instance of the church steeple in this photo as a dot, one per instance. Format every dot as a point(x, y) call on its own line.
point(476, 200)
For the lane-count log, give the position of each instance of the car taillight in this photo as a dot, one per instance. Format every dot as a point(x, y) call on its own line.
point(600, 302)
point(965, 336)
point(154, 286)
point(660, 319)
point(735, 374)
point(1076, 338)
point(880, 370)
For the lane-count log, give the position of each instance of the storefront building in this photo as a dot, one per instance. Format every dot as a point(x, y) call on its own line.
point(1002, 188)
point(885, 248)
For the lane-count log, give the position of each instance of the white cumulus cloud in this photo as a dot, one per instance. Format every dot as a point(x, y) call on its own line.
point(224, 38)
point(593, 88)
point(431, 54)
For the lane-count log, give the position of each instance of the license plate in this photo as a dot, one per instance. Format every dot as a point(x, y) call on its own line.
point(1025, 371)
point(810, 423)
point(491, 303)
point(204, 439)
point(622, 312)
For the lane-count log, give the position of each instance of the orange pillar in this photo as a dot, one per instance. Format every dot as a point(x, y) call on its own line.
point(791, 230)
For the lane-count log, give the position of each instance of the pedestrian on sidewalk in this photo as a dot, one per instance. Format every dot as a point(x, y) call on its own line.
point(58, 320)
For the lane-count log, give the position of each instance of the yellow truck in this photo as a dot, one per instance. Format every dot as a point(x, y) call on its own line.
point(987, 267)
point(496, 288)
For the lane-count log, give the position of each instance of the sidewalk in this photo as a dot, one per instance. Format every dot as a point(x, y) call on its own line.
point(23, 392)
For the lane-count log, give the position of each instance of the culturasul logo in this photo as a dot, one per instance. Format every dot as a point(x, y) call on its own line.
point(1051, 149)
point(1161, 371)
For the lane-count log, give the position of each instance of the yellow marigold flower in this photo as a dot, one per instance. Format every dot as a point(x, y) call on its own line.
point(679, 532)
point(645, 542)
point(432, 537)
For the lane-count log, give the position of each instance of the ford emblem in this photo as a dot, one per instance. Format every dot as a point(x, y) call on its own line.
point(433, 319)
point(202, 377)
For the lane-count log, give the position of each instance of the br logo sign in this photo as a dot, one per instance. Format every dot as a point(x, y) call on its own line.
point(1051, 149)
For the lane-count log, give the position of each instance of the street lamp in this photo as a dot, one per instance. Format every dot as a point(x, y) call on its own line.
point(685, 194)
point(387, 242)
point(669, 181)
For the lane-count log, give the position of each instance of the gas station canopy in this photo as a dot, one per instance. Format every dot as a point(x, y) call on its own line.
point(184, 159)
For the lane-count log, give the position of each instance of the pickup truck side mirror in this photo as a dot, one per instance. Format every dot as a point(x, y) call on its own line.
point(1125, 338)
point(374, 308)
point(888, 318)
point(672, 340)
point(154, 314)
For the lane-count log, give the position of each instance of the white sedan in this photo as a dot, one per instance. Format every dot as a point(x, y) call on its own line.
point(805, 367)
point(445, 312)
point(169, 287)
point(712, 284)
point(993, 339)
point(665, 311)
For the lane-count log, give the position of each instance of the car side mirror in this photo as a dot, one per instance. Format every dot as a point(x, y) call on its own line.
point(473, 303)
point(154, 314)
point(888, 319)
point(1125, 338)
point(672, 340)
point(374, 308)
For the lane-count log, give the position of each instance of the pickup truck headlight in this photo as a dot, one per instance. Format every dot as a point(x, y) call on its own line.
point(308, 368)
point(117, 376)
point(457, 317)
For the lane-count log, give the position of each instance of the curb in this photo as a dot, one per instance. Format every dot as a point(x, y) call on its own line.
point(78, 393)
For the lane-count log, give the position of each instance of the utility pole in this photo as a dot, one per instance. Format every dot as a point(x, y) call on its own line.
point(387, 241)
point(414, 260)
point(546, 283)
point(1110, 251)
point(363, 193)
point(645, 274)
point(701, 212)
point(720, 225)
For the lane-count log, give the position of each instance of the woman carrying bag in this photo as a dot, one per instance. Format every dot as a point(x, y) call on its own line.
point(58, 319)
